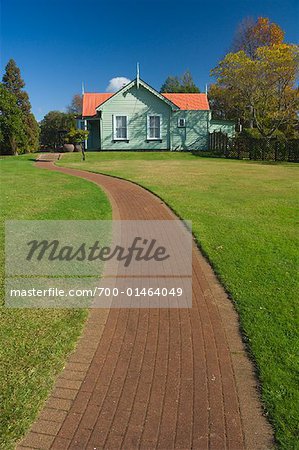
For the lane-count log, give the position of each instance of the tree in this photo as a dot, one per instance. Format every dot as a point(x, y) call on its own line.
point(12, 130)
point(252, 34)
point(187, 83)
point(53, 124)
point(32, 132)
point(171, 84)
point(226, 105)
point(181, 84)
point(12, 79)
point(263, 87)
point(14, 84)
point(76, 105)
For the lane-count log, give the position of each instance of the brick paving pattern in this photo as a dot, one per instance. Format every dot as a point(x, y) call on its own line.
point(155, 378)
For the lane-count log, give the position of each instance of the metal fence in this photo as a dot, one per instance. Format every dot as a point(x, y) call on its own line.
point(243, 147)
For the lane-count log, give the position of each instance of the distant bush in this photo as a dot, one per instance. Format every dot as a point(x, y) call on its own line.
point(54, 126)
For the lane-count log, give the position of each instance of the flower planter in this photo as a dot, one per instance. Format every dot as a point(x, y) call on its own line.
point(68, 147)
point(78, 148)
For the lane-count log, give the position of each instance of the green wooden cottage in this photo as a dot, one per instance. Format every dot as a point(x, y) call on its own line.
point(138, 117)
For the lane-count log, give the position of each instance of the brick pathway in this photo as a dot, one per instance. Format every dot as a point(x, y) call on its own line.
point(148, 379)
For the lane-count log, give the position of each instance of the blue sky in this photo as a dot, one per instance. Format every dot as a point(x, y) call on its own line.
point(59, 44)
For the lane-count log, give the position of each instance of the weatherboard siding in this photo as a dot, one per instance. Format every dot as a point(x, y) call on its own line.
point(195, 135)
point(226, 127)
point(137, 104)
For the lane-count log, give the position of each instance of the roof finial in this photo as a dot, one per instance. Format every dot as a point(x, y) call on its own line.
point(137, 75)
point(83, 88)
point(206, 89)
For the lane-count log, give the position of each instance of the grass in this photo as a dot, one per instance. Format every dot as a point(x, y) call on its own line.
point(34, 343)
point(244, 218)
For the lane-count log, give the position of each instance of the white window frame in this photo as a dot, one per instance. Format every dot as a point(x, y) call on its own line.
point(115, 138)
point(148, 128)
point(179, 125)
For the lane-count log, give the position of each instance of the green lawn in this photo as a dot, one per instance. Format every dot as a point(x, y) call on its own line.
point(244, 218)
point(34, 343)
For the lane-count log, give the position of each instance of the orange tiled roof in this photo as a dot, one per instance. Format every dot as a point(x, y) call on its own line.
point(189, 101)
point(91, 101)
point(183, 101)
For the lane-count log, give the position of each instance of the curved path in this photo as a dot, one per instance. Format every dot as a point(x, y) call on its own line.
point(176, 378)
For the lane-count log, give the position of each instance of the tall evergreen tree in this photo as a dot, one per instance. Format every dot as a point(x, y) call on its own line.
point(12, 129)
point(13, 83)
point(171, 84)
point(181, 84)
point(188, 84)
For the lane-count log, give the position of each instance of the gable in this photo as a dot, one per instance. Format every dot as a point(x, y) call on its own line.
point(133, 102)
point(139, 86)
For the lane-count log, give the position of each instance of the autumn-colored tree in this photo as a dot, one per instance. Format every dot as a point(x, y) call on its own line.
point(252, 34)
point(263, 87)
point(226, 104)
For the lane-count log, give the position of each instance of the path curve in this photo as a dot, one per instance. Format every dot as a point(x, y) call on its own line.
point(148, 379)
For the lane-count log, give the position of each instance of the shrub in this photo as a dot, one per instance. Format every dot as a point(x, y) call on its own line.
point(76, 136)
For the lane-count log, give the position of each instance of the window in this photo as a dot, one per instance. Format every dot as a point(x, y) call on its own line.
point(120, 128)
point(181, 122)
point(154, 127)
